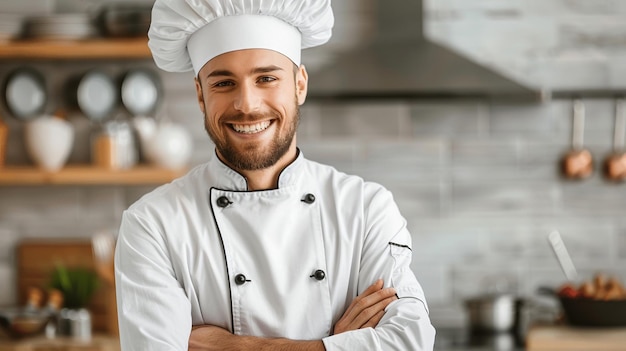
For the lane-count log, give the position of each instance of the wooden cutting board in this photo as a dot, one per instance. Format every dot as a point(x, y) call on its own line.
point(36, 258)
point(568, 338)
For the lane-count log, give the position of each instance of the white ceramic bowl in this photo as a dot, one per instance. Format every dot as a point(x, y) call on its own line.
point(169, 147)
point(49, 141)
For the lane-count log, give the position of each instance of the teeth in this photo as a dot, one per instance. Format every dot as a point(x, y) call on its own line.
point(251, 128)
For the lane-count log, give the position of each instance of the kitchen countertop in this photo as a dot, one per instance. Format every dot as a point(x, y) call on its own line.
point(459, 339)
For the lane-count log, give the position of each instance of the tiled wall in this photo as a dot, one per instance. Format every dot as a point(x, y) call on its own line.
point(477, 182)
point(552, 43)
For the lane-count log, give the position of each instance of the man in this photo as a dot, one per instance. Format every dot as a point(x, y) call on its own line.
point(260, 248)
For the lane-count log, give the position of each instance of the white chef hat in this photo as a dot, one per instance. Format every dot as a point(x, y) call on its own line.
point(186, 34)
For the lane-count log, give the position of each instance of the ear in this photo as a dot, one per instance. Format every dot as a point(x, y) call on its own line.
point(199, 95)
point(302, 80)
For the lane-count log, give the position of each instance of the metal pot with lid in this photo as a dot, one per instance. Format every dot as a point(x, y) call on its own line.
point(492, 312)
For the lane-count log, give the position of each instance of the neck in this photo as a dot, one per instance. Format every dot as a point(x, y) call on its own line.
point(267, 178)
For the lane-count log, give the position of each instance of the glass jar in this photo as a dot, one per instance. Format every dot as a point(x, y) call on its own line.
point(114, 146)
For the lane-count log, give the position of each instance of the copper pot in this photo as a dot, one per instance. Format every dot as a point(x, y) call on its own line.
point(615, 162)
point(578, 162)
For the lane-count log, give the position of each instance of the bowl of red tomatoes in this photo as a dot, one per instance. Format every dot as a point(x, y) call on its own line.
point(598, 302)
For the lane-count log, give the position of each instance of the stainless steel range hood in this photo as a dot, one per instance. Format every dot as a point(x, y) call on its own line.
point(401, 63)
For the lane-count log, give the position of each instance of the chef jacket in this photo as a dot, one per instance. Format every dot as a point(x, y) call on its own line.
point(284, 262)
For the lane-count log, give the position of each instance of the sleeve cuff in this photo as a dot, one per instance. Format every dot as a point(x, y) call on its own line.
point(360, 339)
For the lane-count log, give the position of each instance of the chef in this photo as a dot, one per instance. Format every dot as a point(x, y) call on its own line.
point(261, 248)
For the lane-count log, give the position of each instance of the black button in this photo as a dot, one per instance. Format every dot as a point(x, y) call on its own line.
point(308, 198)
point(319, 275)
point(240, 279)
point(223, 201)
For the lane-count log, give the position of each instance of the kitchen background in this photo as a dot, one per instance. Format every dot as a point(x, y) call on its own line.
point(476, 179)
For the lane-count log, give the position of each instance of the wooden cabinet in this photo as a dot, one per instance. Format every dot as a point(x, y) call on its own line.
point(80, 50)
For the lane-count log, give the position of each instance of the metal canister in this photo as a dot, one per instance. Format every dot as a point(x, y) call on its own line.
point(75, 323)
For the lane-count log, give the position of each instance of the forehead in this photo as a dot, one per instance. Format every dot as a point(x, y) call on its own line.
point(242, 61)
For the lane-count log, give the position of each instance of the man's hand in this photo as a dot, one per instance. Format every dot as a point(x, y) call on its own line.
point(212, 338)
point(367, 309)
point(208, 337)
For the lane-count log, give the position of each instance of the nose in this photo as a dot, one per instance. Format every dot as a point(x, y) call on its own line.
point(248, 99)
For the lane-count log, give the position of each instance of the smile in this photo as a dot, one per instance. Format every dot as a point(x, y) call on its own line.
point(251, 128)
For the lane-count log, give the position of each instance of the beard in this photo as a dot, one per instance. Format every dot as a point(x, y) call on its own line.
point(253, 157)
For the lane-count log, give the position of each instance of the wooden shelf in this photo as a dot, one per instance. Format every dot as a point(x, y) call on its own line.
point(41, 343)
point(86, 175)
point(133, 48)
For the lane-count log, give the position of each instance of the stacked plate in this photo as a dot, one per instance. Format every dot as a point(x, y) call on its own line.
point(10, 26)
point(60, 26)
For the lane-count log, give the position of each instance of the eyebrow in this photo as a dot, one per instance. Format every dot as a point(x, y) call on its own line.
point(257, 70)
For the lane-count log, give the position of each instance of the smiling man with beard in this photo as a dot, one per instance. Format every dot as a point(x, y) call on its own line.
point(261, 248)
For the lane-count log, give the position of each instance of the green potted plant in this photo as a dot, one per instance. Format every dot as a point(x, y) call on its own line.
point(77, 285)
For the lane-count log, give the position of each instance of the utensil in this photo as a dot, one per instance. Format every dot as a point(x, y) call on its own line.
point(597, 313)
point(10, 26)
point(103, 245)
point(66, 26)
point(49, 141)
point(166, 144)
point(615, 162)
point(567, 265)
point(94, 94)
point(141, 92)
point(585, 312)
point(124, 20)
point(21, 322)
point(492, 313)
point(114, 146)
point(25, 93)
point(578, 162)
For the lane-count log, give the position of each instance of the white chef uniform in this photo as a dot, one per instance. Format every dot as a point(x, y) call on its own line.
point(285, 262)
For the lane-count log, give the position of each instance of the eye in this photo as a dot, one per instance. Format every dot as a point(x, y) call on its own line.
point(267, 79)
point(224, 83)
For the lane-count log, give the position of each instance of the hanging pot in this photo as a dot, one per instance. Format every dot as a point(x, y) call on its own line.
point(578, 162)
point(141, 92)
point(25, 93)
point(615, 162)
point(94, 93)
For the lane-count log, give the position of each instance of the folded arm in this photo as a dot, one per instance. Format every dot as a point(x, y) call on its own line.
point(387, 254)
point(365, 311)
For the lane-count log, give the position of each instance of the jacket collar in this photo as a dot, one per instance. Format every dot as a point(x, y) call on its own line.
point(226, 178)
